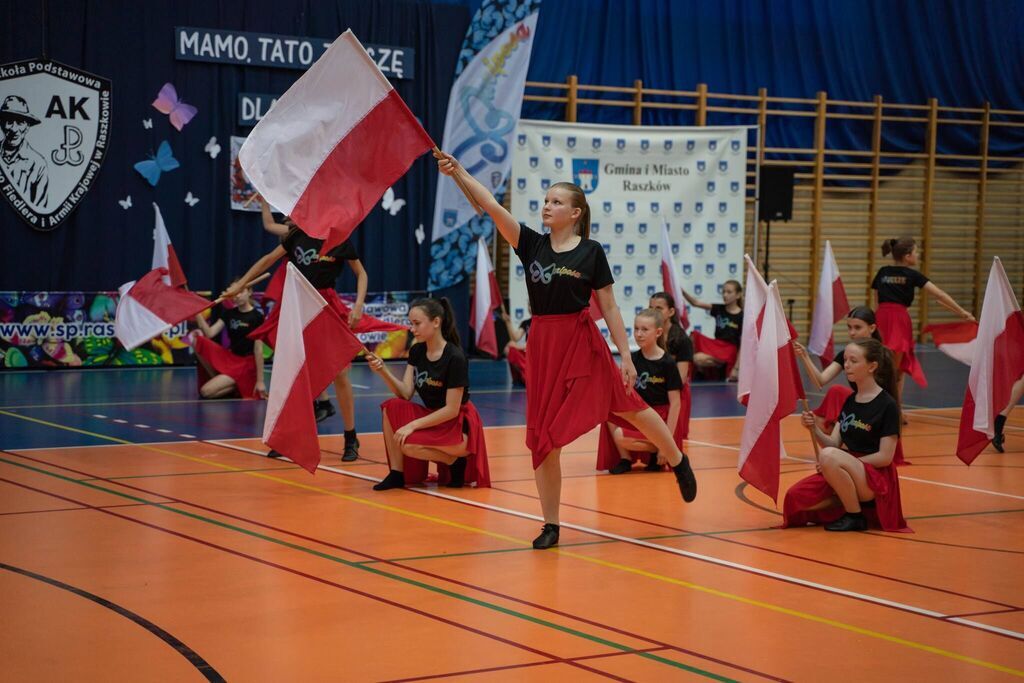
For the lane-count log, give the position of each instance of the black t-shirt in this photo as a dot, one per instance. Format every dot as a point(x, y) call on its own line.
point(896, 284)
point(655, 378)
point(434, 378)
point(561, 282)
point(862, 425)
point(679, 345)
point(239, 325)
point(728, 326)
point(304, 252)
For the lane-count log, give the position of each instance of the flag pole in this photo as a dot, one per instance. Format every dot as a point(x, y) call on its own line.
point(465, 190)
point(254, 195)
point(248, 284)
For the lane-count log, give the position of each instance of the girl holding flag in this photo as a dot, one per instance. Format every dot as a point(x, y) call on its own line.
point(238, 368)
point(446, 428)
point(723, 350)
point(856, 468)
point(680, 348)
point(572, 382)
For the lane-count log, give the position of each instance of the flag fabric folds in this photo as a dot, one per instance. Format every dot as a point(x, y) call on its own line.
point(830, 306)
point(149, 307)
point(956, 340)
point(669, 273)
point(164, 255)
point(755, 294)
point(486, 298)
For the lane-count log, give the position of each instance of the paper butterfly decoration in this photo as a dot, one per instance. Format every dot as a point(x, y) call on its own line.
point(190, 199)
point(212, 148)
point(167, 102)
point(125, 203)
point(390, 203)
point(147, 124)
point(151, 168)
point(420, 234)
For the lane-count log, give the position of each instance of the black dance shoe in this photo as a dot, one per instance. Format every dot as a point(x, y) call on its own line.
point(351, 453)
point(274, 454)
point(621, 467)
point(998, 440)
point(652, 463)
point(851, 521)
point(686, 479)
point(323, 410)
point(548, 537)
point(394, 480)
point(458, 472)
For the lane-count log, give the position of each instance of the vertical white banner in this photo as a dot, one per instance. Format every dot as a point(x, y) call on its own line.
point(636, 178)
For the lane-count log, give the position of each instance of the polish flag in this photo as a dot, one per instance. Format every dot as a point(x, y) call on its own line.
point(772, 397)
point(755, 294)
point(486, 298)
point(998, 362)
point(669, 273)
point(149, 307)
point(830, 306)
point(163, 253)
point(956, 340)
point(313, 345)
point(333, 143)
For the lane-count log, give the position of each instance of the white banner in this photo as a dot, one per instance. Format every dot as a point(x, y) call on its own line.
point(637, 177)
point(482, 111)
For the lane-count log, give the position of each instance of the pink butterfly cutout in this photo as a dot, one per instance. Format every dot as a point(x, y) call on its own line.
point(167, 102)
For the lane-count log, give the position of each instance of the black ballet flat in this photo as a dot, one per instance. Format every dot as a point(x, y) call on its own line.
point(848, 522)
point(548, 537)
point(458, 473)
point(686, 479)
point(394, 480)
point(652, 464)
point(351, 452)
point(621, 467)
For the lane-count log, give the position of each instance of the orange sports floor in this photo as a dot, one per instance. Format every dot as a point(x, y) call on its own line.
point(202, 560)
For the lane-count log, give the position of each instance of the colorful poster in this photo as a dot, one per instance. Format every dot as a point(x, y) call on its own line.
point(241, 190)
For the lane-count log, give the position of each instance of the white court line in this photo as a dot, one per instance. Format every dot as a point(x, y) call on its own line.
point(675, 551)
point(142, 426)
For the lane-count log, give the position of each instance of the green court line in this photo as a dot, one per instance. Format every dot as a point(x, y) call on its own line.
point(378, 572)
point(185, 474)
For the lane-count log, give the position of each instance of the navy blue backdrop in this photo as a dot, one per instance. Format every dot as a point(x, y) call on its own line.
point(961, 51)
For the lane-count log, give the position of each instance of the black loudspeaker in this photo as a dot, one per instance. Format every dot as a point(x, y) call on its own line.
point(776, 188)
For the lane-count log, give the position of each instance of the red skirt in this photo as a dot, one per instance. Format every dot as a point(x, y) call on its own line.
point(572, 382)
point(401, 412)
point(242, 369)
point(832, 405)
point(517, 364)
point(608, 454)
point(722, 351)
point(897, 332)
point(886, 513)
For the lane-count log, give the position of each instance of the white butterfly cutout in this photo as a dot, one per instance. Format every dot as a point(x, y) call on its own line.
point(147, 124)
point(420, 234)
point(190, 199)
point(212, 148)
point(125, 203)
point(390, 204)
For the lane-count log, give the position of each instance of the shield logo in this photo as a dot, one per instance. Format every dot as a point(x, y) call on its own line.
point(655, 207)
point(675, 249)
point(698, 289)
point(723, 207)
point(698, 207)
point(520, 313)
point(620, 228)
point(545, 183)
point(495, 178)
point(734, 228)
point(585, 174)
point(642, 228)
point(734, 145)
point(734, 187)
point(630, 249)
point(620, 144)
point(559, 163)
point(55, 128)
point(534, 162)
point(521, 184)
point(698, 248)
point(534, 205)
point(709, 268)
point(596, 143)
point(641, 270)
point(721, 247)
point(723, 166)
point(617, 270)
point(653, 248)
point(711, 187)
point(645, 145)
point(570, 142)
point(712, 145)
point(545, 140)
point(687, 228)
point(702, 166)
point(711, 228)
point(521, 139)
point(520, 271)
point(637, 309)
point(630, 207)
point(677, 208)
point(691, 145)
point(449, 217)
point(628, 291)
point(651, 289)
point(732, 269)
point(607, 207)
point(668, 145)
point(696, 327)
point(607, 248)
point(595, 228)
point(687, 269)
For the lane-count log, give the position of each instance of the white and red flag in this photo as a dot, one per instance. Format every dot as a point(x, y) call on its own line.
point(669, 273)
point(830, 306)
point(772, 397)
point(333, 143)
point(313, 345)
point(755, 294)
point(164, 255)
point(149, 306)
point(956, 340)
point(486, 298)
point(998, 362)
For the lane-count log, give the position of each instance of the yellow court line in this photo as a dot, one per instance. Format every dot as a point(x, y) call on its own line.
point(567, 553)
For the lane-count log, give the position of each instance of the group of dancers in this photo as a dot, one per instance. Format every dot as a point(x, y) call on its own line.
point(573, 383)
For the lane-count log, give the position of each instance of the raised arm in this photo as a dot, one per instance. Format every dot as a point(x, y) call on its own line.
point(507, 225)
point(694, 301)
point(269, 224)
point(946, 301)
point(210, 331)
point(819, 377)
point(258, 268)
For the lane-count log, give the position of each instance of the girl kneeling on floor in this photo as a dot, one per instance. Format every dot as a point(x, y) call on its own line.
point(446, 428)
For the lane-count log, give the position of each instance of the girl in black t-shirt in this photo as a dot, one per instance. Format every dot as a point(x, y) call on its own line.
point(659, 385)
point(446, 428)
point(680, 348)
point(515, 350)
point(239, 368)
point(855, 467)
point(894, 287)
point(572, 384)
point(722, 351)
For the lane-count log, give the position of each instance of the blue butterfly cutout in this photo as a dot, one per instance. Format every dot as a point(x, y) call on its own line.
point(151, 168)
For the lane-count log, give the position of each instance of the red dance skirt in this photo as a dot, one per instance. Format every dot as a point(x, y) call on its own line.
point(832, 405)
point(722, 351)
point(242, 369)
point(517, 364)
point(267, 332)
point(897, 332)
point(572, 382)
point(467, 423)
point(608, 454)
point(886, 513)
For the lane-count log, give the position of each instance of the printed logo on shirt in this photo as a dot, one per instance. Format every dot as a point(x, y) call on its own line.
point(894, 279)
point(424, 378)
point(310, 256)
point(543, 274)
point(726, 323)
point(237, 324)
point(645, 378)
point(850, 421)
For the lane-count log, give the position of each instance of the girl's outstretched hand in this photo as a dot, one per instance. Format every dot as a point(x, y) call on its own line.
point(446, 163)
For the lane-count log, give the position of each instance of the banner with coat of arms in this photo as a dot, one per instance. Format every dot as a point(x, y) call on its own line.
point(635, 179)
